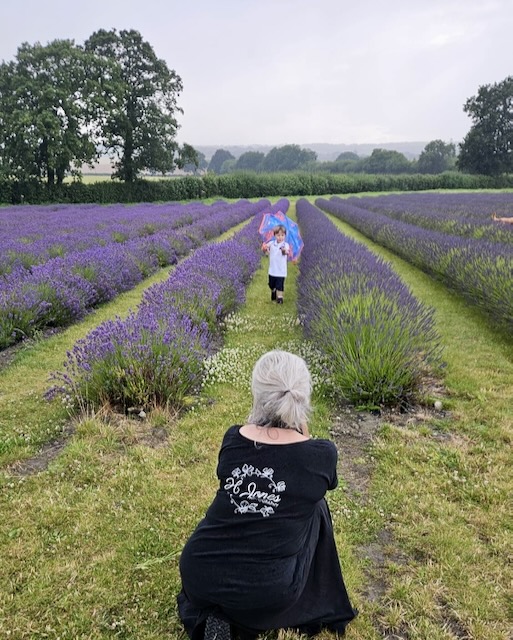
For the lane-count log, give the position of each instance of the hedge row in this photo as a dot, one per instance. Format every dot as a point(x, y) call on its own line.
point(238, 185)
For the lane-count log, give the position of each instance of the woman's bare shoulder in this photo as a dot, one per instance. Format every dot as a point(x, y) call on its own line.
point(271, 435)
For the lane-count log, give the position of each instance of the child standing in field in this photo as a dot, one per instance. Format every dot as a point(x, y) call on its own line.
point(278, 251)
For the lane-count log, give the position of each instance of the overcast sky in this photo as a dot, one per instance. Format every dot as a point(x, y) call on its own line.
point(276, 72)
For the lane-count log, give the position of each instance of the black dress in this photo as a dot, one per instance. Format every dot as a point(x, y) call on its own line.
point(264, 556)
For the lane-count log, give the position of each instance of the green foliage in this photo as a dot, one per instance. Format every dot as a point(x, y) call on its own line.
point(240, 185)
point(49, 97)
point(228, 166)
point(218, 159)
point(288, 158)
point(386, 161)
point(437, 157)
point(199, 163)
point(371, 368)
point(140, 126)
point(60, 104)
point(250, 161)
point(347, 156)
point(486, 149)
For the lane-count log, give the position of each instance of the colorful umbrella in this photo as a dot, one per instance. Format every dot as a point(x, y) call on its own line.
point(271, 220)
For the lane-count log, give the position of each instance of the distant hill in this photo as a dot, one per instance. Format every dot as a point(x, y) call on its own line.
point(325, 151)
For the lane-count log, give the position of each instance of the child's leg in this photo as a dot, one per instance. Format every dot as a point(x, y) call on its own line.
point(279, 291)
point(272, 287)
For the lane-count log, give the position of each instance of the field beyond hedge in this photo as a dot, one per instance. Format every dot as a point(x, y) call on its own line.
point(93, 521)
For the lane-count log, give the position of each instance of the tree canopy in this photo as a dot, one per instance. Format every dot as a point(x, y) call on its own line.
point(347, 156)
point(488, 146)
point(63, 105)
point(140, 126)
point(250, 161)
point(218, 159)
point(290, 157)
point(386, 161)
point(49, 99)
point(437, 157)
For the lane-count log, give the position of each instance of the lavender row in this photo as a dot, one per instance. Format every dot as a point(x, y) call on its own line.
point(155, 355)
point(33, 235)
point(479, 270)
point(63, 289)
point(378, 338)
point(462, 214)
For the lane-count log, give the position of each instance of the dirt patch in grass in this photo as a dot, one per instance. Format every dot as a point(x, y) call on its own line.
point(8, 354)
point(45, 455)
point(129, 431)
point(353, 432)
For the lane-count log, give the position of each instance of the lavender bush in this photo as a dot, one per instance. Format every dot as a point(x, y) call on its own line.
point(155, 356)
point(480, 270)
point(378, 338)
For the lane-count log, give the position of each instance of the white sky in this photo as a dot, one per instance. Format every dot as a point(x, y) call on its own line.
point(276, 72)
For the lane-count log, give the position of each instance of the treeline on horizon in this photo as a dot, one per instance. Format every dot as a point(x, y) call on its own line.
point(238, 185)
point(436, 157)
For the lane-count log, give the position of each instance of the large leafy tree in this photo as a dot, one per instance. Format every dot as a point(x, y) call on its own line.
point(139, 128)
point(290, 157)
point(200, 164)
point(347, 156)
point(437, 156)
point(488, 146)
point(386, 161)
point(49, 98)
point(218, 159)
point(250, 161)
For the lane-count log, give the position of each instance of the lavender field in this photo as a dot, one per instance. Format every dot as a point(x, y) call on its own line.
point(110, 428)
point(453, 239)
point(57, 263)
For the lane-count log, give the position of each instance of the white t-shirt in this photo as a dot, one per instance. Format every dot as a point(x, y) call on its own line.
point(278, 261)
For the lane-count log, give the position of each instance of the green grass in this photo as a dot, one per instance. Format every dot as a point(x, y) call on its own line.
point(90, 545)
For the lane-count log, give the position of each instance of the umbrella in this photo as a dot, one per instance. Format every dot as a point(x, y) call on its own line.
point(271, 220)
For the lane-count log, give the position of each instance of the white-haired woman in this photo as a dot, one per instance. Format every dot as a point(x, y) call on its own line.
point(264, 556)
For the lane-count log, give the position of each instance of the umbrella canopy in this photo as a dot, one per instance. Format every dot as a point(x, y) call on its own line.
point(271, 220)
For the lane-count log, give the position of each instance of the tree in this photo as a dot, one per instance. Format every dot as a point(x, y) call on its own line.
point(288, 158)
point(386, 161)
point(49, 100)
point(228, 166)
point(488, 146)
point(139, 127)
point(437, 157)
point(218, 159)
point(250, 161)
point(347, 155)
point(200, 165)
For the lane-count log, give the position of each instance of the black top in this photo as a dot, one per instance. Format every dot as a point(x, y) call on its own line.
point(252, 556)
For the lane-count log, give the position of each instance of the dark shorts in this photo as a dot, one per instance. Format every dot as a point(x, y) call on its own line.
point(277, 283)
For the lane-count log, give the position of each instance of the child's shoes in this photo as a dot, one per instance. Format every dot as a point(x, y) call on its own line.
point(279, 301)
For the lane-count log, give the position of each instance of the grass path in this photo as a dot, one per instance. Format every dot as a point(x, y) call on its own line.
point(90, 546)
